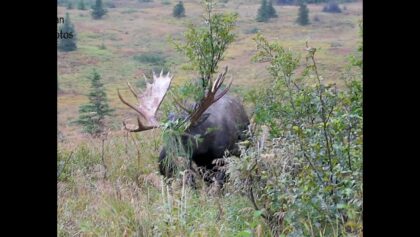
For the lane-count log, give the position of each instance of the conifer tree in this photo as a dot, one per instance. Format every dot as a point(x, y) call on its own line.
point(262, 15)
point(270, 10)
point(67, 38)
point(92, 115)
point(69, 5)
point(266, 11)
point(303, 18)
point(81, 5)
point(98, 10)
point(179, 10)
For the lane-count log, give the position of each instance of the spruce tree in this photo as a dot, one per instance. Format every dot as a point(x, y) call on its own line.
point(179, 10)
point(81, 5)
point(98, 10)
point(67, 37)
point(262, 15)
point(270, 10)
point(303, 18)
point(92, 115)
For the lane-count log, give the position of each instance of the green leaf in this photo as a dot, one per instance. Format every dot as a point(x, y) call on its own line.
point(257, 213)
point(244, 233)
point(341, 206)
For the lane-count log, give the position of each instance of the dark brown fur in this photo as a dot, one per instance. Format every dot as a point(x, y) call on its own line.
point(227, 121)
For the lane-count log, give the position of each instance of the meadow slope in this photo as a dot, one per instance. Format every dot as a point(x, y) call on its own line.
point(133, 29)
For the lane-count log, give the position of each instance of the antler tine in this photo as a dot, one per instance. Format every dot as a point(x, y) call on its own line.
point(128, 104)
point(161, 73)
point(224, 91)
point(211, 97)
point(149, 101)
point(132, 90)
point(132, 130)
point(140, 127)
point(219, 81)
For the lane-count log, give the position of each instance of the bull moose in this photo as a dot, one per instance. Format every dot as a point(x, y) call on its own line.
point(219, 119)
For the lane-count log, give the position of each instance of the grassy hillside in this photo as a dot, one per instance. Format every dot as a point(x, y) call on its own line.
point(133, 29)
point(131, 40)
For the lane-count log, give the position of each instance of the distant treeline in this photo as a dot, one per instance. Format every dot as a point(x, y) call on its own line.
point(293, 2)
point(63, 2)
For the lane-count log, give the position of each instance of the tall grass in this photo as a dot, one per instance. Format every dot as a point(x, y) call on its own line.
point(134, 200)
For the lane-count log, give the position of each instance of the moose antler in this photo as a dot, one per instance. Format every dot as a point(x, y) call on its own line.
point(151, 99)
point(210, 98)
point(149, 102)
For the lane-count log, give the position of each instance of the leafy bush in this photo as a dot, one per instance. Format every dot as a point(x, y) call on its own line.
point(153, 58)
point(303, 167)
point(357, 60)
point(211, 39)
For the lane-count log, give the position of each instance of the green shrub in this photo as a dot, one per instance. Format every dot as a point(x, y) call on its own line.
point(211, 39)
point(303, 166)
point(153, 58)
